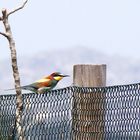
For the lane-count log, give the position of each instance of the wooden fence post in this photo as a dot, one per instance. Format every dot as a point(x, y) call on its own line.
point(88, 112)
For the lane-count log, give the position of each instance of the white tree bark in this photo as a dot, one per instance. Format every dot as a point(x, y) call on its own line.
point(9, 36)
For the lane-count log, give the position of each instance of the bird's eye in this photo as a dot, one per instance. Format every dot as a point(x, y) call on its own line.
point(58, 74)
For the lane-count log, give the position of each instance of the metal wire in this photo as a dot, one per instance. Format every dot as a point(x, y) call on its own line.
point(75, 113)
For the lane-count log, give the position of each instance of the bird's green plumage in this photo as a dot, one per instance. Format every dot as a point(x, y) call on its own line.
point(35, 87)
point(45, 84)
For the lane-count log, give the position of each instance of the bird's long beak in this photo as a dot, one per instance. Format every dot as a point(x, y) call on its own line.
point(65, 75)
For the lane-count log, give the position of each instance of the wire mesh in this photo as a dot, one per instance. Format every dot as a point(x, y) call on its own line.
point(75, 113)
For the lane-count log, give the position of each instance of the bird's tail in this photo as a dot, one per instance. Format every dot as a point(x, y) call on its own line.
point(28, 87)
point(13, 89)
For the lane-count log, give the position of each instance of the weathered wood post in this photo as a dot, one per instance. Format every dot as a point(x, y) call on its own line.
point(88, 112)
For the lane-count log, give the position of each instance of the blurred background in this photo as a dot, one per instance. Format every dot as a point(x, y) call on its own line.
point(55, 35)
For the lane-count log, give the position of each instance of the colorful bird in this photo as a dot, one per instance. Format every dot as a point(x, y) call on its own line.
point(45, 84)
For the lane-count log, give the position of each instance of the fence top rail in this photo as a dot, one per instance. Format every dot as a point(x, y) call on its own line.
point(114, 88)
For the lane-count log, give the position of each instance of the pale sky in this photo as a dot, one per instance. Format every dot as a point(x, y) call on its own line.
point(112, 26)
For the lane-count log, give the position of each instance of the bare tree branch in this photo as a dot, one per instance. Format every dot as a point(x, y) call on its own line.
point(17, 9)
point(12, 46)
point(4, 34)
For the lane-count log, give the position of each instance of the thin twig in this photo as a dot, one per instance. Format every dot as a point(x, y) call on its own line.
point(17, 9)
point(4, 34)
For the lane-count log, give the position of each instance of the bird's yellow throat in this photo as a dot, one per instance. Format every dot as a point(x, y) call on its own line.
point(58, 78)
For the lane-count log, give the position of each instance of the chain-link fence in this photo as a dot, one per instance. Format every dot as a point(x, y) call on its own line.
point(75, 113)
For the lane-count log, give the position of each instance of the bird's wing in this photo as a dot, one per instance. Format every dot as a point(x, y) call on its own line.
point(42, 80)
point(38, 84)
point(43, 83)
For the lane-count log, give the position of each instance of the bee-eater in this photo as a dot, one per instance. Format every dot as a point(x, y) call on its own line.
point(45, 84)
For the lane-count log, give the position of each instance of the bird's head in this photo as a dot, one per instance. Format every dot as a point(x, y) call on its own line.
point(58, 76)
